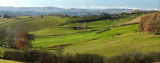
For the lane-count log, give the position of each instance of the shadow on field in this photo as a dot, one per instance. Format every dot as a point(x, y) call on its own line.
point(60, 46)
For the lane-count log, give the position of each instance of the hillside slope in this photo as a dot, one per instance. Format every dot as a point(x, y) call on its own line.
point(49, 35)
point(8, 61)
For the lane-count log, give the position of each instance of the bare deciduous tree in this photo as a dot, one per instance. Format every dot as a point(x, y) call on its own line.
point(42, 16)
point(5, 15)
point(85, 26)
point(24, 40)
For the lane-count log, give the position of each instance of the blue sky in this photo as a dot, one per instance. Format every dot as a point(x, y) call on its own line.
point(93, 4)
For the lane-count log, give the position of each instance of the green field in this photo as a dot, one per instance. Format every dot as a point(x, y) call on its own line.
point(8, 61)
point(109, 43)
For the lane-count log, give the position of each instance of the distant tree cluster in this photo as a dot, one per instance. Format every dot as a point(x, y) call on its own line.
point(141, 12)
point(59, 15)
point(150, 24)
point(83, 19)
point(15, 38)
point(8, 16)
point(5, 16)
point(41, 16)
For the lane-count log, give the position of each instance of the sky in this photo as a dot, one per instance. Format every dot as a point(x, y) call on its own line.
point(86, 4)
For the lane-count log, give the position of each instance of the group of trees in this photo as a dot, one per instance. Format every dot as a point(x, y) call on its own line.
point(41, 16)
point(83, 28)
point(150, 24)
point(8, 16)
point(91, 18)
point(59, 15)
point(15, 38)
point(4, 16)
point(24, 40)
point(141, 12)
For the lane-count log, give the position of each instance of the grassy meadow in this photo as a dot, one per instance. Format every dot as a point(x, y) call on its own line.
point(50, 33)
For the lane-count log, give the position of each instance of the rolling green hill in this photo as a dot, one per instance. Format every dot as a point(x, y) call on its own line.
point(52, 32)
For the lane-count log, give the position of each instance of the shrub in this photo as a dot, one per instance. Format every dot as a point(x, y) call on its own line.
point(46, 57)
point(14, 55)
point(32, 56)
point(25, 56)
point(155, 56)
point(131, 58)
point(5, 15)
point(0, 54)
point(150, 23)
point(59, 50)
point(88, 58)
point(51, 58)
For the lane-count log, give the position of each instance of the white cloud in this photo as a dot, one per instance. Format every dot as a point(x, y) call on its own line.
point(104, 7)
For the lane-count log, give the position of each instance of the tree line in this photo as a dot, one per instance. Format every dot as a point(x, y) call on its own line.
point(48, 57)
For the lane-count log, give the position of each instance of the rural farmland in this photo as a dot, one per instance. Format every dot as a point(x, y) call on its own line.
point(75, 35)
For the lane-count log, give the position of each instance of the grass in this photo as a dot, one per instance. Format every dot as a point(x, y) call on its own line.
point(116, 45)
point(5, 20)
point(107, 43)
point(69, 39)
point(102, 23)
point(8, 61)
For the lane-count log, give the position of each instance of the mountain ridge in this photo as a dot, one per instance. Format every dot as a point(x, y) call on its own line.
point(56, 10)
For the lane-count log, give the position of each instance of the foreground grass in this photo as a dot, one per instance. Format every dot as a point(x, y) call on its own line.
point(8, 61)
point(117, 40)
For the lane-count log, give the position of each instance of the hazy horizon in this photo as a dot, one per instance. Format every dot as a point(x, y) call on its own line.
point(89, 4)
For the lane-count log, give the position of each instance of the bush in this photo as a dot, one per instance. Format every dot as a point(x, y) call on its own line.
point(88, 58)
point(150, 24)
point(32, 56)
point(49, 59)
point(0, 54)
point(79, 58)
point(131, 58)
point(26, 56)
point(14, 55)
point(45, 57)
point(155, 56)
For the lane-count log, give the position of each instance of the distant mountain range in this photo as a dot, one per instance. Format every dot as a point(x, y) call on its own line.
point(55, 10)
